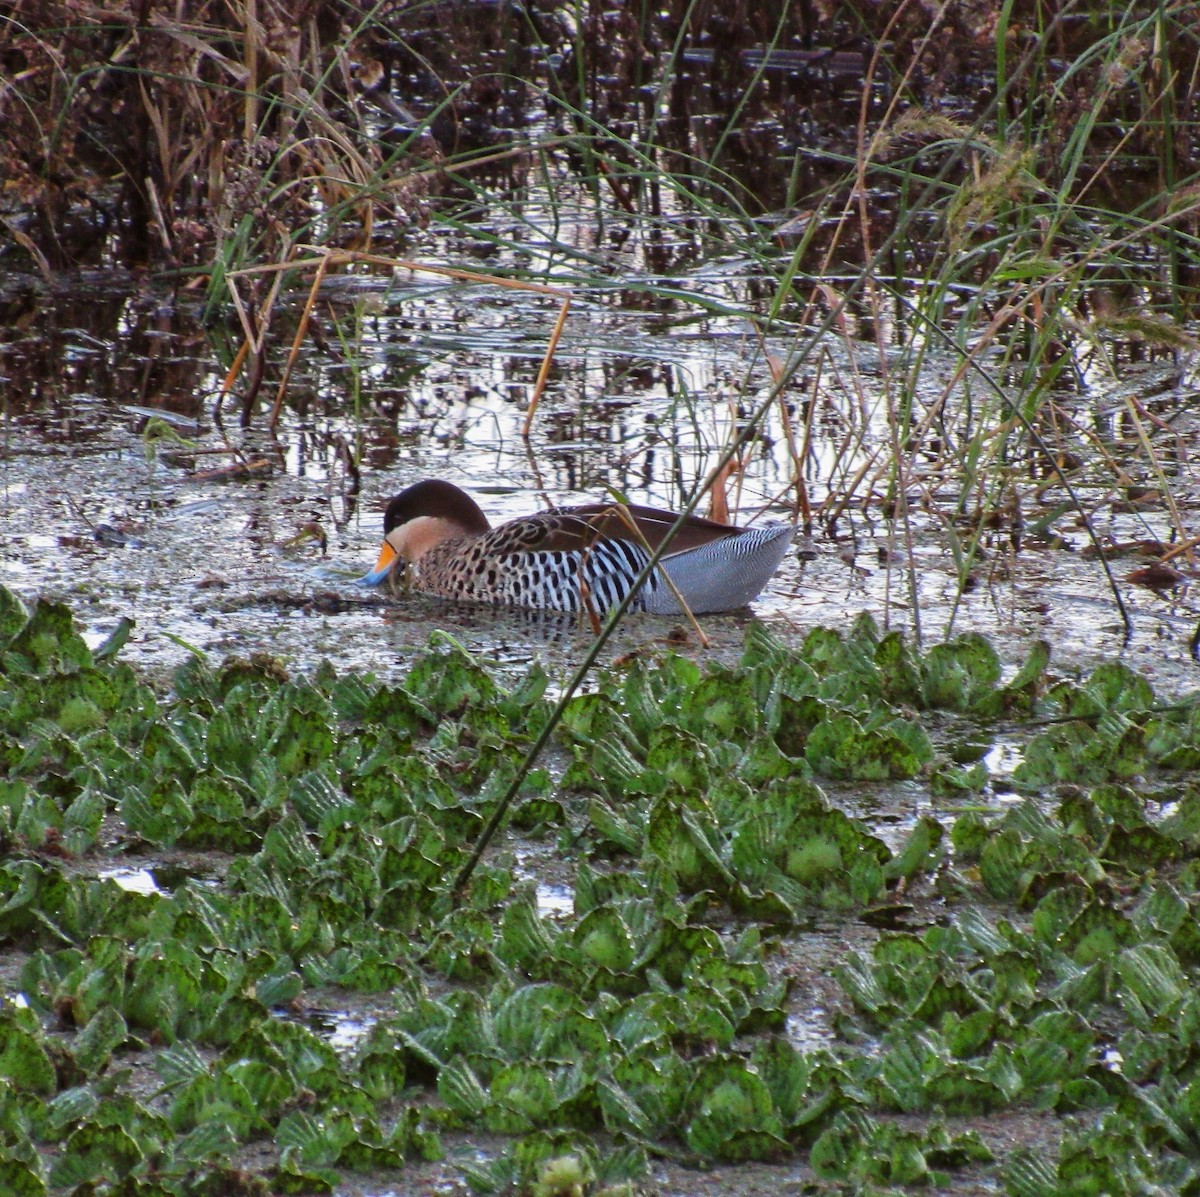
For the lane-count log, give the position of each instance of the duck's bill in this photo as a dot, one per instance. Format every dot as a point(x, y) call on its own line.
point(383, 567)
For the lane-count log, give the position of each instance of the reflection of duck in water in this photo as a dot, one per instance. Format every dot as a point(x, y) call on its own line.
point(443, 542)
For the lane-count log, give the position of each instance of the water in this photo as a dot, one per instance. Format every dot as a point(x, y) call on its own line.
point(135, 881)
point(642, 402)
point(660, 366)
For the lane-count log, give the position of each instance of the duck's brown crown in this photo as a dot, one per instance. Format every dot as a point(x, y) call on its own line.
point(438, 500)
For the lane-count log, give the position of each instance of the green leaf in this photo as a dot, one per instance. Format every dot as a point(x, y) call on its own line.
point(279, 988)
point(796, 720)
point(621, 1112)
point(20, 1179)
point(460, 1089)
point(94, 1045)
point(95, 1153)
point(729, 1100)
point(1032, 670)
point(1002, 865)
point(1152, 976)
point(840, 747)
point(288, 847)
point(522, 1097)
point(952, 781)
point(82, 820)
point(899, 669)
point(1113, 686)
point(161, 815)
point(1138, 848)
point(115, 640)
point(613, 828)
point(603, 939)
point(13, 616)
point(68, 1108)
point(446, 681)
point(531, 1015)
point(961, 674)
point(1096, 933)
point(794, 1080)
point(24, 1061)
point(295, 729)
point(320, 803)
point(47, 644)
point(526, 939)
point(212, 1140)
point(720, 707)
point(685, 841)
point(657, 1085)
point(921, 853)
point(682, 759)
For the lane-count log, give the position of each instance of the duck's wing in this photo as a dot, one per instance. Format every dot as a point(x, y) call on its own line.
point(608, 521)
point(557, 531)
point(563, 530)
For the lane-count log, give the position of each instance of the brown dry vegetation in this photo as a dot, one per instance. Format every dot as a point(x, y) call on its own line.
point(175, 126)
point(247, 126)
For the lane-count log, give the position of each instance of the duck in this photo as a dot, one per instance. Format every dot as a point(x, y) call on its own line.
point(437, 539)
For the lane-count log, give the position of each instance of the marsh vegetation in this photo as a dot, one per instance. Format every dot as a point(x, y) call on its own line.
point(857, 899)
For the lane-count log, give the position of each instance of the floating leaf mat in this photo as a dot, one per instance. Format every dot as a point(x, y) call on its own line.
point(1036, 945)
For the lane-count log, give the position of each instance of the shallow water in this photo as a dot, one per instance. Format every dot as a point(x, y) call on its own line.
point(120, 521)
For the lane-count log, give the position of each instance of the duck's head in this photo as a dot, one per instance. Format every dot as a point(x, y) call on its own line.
point(421, 517)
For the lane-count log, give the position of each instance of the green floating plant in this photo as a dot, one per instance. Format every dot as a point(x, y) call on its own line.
point(858, 1150)
point(1114, 1154)
point(1110, 727)
point(652, 1015)
point(559, 1165)
point(1092, 838)
point(25, 1062)
point(732, 1115)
